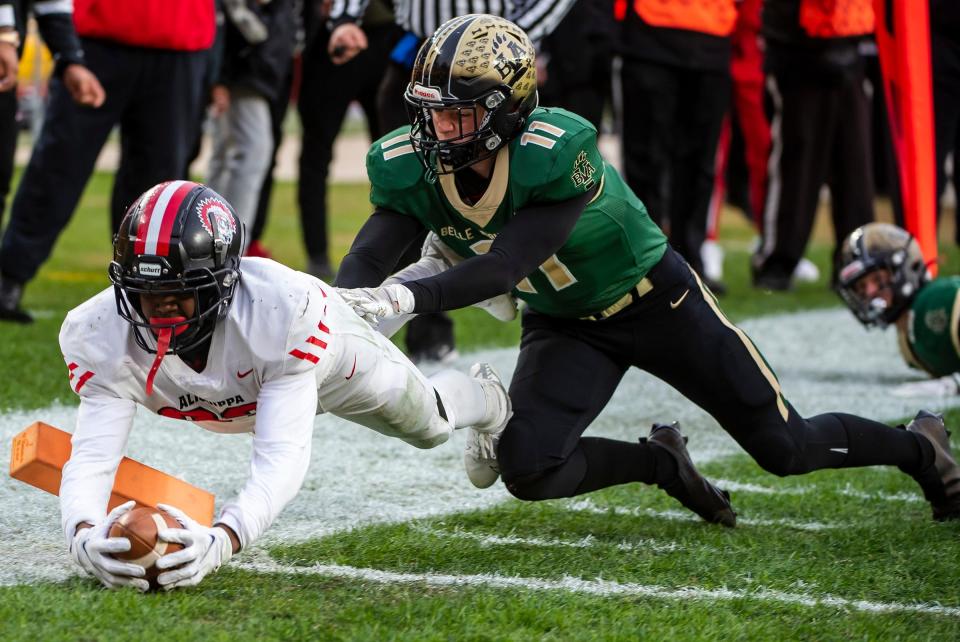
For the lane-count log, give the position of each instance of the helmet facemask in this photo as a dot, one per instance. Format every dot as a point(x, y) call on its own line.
point(211, 293)
point(889, 256)
point(178, 239)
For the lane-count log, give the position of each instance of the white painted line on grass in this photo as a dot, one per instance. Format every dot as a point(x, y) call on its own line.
point(598, 587)
point(847, 491)
point(484, 539)
point(588, 506)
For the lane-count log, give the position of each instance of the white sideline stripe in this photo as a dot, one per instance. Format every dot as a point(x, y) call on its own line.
point(512, 540)
point(739, 487)
point(595, 587)
point(587, 506)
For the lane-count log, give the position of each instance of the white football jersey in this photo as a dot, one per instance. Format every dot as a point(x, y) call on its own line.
point(288, 348)
point(276, 325)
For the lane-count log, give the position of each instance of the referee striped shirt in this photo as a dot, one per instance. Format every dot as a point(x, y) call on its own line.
point(422, 17)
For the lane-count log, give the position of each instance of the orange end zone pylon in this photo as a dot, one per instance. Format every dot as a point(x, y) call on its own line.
point(903, 42)
point(40, 451)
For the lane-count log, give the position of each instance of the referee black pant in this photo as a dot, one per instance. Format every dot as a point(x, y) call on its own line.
point(326, 91)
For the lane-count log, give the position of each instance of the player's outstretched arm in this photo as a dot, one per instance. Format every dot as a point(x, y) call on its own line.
point(92, 549)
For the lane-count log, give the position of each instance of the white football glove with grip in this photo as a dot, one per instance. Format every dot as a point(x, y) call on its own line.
point(374, 304)
point(91, 549)
point(205, 550)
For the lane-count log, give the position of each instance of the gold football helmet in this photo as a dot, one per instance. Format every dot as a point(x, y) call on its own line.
point(881, 246)
point(480, 69)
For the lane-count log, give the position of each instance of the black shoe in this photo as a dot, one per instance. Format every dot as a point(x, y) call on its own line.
point(439, 353)
point(320, 268)
point(774, 282)
point(941, 480)
point(689, 487)
point(10, 310)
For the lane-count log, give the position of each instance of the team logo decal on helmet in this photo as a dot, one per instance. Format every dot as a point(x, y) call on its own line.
point(481, 69)
point(216, 219)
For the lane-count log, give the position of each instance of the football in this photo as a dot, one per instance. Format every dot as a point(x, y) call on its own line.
point(142, 526)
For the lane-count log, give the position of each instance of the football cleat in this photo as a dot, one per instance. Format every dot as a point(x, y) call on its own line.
point(941, 481)
point(689, 487)
point(480, 454)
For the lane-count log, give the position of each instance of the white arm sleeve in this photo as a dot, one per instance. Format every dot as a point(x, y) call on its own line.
point(286, 407)
point(99, 441)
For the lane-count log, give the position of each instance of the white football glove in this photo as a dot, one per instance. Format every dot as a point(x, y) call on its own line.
point(204, 551)
point(943, 387)
point(91, 549)
point(374, 304)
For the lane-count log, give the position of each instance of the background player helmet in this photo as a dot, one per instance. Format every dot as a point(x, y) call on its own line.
point(477, 60)
point(179, 237)
point(876, 246)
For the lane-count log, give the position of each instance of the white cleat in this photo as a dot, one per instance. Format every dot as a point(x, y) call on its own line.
point(480, 454)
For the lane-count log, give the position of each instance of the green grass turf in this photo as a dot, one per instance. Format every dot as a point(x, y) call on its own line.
point(881, 550)
point(884, 550)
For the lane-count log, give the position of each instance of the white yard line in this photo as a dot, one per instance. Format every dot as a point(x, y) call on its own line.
point(588, 506)
point(739, 487)
point(598, 587)
point(589, 541)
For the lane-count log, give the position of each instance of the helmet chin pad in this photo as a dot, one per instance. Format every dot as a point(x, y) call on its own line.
point(179, 325)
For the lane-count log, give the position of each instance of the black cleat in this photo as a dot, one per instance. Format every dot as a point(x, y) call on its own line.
point(941, 481)
point(689, 487)
point(10, 310)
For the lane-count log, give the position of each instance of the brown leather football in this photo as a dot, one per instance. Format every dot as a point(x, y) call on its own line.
point(142, 526)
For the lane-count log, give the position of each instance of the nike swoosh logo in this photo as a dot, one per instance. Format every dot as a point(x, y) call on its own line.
point(241, 375)
point(674, 304)
point(354, 368)
point(839, 450)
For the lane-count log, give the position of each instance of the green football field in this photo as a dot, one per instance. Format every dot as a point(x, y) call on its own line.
point(836, 555)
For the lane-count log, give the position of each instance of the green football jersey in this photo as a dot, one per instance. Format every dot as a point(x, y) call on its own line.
point(612, 246)
point(931, 342)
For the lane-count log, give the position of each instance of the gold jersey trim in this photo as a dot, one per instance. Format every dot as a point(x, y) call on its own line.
point(482, 212)
point(752, 349)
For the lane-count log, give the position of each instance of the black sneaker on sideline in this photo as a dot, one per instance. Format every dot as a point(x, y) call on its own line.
point(10, 310)
point(689, 487)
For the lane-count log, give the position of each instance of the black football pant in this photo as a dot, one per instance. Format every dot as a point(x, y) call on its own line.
point(9, 129)
point(671, 125)
point(820, 135)
point(326, 91)
point(946, 105)
point(569, 368)
point(153, 95)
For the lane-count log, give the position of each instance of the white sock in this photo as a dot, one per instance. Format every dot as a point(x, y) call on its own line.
point(463, 398)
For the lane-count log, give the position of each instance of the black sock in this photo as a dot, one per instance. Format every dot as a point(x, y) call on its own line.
point(610, 462)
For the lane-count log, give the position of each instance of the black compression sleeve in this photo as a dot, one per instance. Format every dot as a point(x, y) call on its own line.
point(530, 238)
point(377, 248)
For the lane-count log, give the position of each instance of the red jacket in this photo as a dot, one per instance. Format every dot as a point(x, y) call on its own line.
point(180, 25)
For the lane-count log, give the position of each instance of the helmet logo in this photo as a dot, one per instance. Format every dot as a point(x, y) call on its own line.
point(214, 214)
point(149, 269)
point(427, 93)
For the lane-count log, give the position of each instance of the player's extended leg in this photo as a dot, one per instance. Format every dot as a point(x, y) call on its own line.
point(715, 365)
point(560, 385)
point(373, 384)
